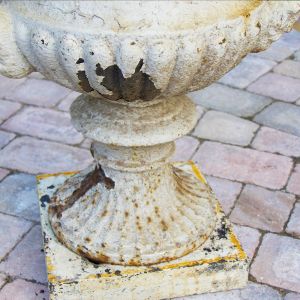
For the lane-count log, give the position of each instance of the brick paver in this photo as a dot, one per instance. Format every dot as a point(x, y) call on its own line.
point(12, 229)
point(8, 85)
point(256, 181)
point(289, 67)
point(38, 92)
point(277, 86)
point(245, 165)
point(3, 173)
point(24, 290)
point(293, 227)
point(225, 190)
point(185, 148)
point(248, 237)
point(19, 196)
point(251, 292)
point(260, 208)
point(66, 102)
point(294, 182)
point(282, 116)
point(247, 71)
point(292, 296)
point(8, 108)
point(44, 123)
point(5, 138)
point(231, 100)
point(278, 51)
point(272, 140)
point(226, 128)
point(3, 279)
point(27, 259)
point(31, 155)
point(278, 262)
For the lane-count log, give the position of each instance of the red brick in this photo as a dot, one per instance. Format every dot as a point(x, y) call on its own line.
point(278, 262)
point(260, 208)
point(44, 123)
point(245, 165)
point(23, 290)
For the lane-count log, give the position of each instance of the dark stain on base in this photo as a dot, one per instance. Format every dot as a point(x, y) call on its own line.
point(44, 199)
point(94, 177)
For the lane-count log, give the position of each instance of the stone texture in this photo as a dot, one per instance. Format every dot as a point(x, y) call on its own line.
point(245, 165)
point(294, 182)
point(260, 208)
point(3, 173)
point(8, 85)
point(39, 92)
point(247, 71)
point(289, 68)
point(278, 51)
point(225, 128)
point(44, 123)
point(253, 291)
point(248, 237)
point(8, 108)
point(292, 39)
point(5, 138)
point(293, 226)
point(282, 116)
point(278, 262)
point(277, 86)
point(292, 296)
point(225, 190)
point(67, 101)
point(19, 196)
point(12, 229)
point(36, 75)
point(23, 290)
point(224, 98)
point(35, 156)
point(27, 259)
point(185, 148)
point(86, 143)
point(2, 280)
point(272, 140)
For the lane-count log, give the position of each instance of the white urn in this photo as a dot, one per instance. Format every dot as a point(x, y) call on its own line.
point(134, 61)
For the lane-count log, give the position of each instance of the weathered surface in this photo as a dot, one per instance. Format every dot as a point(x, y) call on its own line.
point(133, 218)
point(160, 55)
point(218, 264)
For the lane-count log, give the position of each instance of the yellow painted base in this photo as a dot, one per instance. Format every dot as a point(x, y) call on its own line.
point(219, 264)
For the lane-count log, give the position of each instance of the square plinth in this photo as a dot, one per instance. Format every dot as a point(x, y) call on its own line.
point(219, 264)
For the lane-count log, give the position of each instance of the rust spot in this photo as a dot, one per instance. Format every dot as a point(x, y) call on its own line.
point(136, 189)
point(126, 214)
point(94, 177)
point(87, 239)
point(156, 209)
point(258, 25)
point(149, 220)
point(136, 205)
point(103, 245)
point(104, 213)
point(222, 42)
point(164, 226)
point(137, 86)
point(84, 82)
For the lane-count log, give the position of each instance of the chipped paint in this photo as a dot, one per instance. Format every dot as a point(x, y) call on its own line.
point(70, 274)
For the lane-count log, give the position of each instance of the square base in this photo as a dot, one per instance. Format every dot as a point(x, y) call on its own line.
point(219, 264)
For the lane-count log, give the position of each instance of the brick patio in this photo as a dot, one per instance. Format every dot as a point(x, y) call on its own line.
point(247, 142)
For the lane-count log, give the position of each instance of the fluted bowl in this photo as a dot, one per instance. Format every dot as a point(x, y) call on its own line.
point(136, 49)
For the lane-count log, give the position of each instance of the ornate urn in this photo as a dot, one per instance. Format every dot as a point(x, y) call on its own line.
point(133, 61)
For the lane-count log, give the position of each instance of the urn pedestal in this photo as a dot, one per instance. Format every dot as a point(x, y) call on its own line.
point(134, 225)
